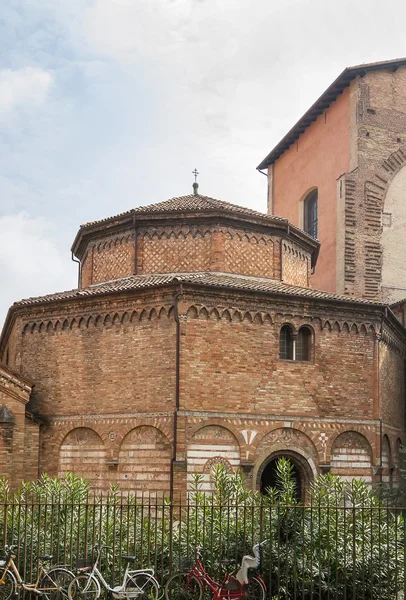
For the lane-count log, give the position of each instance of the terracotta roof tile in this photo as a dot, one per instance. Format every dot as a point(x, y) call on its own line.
point(212, 279)
point(191, 202)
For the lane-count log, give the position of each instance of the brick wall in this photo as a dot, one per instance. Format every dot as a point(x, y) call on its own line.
point(380, 136)
point(392, 385)
point(94, 373)
point(317, 159)
point(169, 250)
point(110, 258)
point(105, 387)
point(355, 154)
point(14, 394)
point(210, 247)
point(166, 250)
point(249, 254)
point(243, 373)
point(296, 264)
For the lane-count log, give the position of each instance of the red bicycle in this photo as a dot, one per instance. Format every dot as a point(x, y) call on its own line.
point(191, 584)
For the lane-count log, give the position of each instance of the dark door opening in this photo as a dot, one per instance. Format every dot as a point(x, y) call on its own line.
point(269, 478)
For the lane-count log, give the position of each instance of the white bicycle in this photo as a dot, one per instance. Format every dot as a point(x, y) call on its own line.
point(137, 583)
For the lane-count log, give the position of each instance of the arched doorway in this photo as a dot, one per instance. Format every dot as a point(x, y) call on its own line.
point(301, 470)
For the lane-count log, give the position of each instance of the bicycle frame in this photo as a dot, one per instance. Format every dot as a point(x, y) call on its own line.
point(97, 575)
point(12, 568)
point(218, 589)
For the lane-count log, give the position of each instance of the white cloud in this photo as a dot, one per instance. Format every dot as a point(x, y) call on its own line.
point(30, 262)
point(28, 86)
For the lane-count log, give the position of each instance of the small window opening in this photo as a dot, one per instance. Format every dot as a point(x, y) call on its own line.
point(286, 343)
point(295, 346)
point(303, 344)
point(310, 214)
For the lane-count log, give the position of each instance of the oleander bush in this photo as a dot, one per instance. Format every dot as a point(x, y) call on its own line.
point(347, 540)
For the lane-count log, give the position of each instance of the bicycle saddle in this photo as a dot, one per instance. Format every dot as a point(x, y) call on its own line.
point(45, 557)
point(129, 558)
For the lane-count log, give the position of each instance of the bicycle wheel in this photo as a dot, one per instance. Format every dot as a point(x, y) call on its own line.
point(182, 586)
point(141, 586)
point(55, 583)
point(255, 589)
point(83, 587)
point(7, 588)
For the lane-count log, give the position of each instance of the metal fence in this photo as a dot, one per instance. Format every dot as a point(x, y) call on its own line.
point(319, 551)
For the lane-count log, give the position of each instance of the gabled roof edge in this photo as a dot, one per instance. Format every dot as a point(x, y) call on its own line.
point(323, 102)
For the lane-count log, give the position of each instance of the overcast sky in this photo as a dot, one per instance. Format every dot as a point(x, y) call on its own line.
point(110, 104)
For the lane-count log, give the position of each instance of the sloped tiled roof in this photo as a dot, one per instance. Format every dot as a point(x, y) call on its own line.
point(211, 279)
point(329, 96)
point(397, 303)
point(189, 203)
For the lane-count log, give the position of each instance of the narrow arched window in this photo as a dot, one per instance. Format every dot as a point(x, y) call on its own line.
point(286, 343)
point(303, 344)
point(310, 219)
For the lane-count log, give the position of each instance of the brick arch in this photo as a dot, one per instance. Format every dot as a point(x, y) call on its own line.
point(145, 460)
point(215, 443)
point(301, 460)
point(291, 443)
point(282, 437)
point(368, 435)
point(375, 192)
point(82, 451)
point(351, 456)
point(193, 430)
point(165, 430)
point(392, 236)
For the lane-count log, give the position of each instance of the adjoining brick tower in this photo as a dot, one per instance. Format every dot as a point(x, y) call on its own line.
point(194, 339)
point(340, 174)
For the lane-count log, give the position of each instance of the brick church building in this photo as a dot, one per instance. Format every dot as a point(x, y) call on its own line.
point(198, 333)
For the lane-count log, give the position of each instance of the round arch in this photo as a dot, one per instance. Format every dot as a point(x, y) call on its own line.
point(145, 460)
point(211, 443)
point(304, 470)
point(82, 451)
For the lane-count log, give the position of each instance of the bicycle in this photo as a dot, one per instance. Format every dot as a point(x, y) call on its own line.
point(137, 583)
point(192, 583)
point(52, 584)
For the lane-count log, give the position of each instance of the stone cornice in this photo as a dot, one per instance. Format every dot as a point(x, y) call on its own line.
point(252, 305)
point(15, 384)
point(135, 222)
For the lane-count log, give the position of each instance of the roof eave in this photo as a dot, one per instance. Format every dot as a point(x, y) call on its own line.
point(323, 102)
point(309, 115)
point(84, 232)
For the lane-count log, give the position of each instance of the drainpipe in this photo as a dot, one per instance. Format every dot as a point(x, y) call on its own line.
point(177, 384)
point(79, 269)
point(377, 394)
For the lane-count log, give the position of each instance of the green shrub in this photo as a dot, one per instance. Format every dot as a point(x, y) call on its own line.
point(345, 540)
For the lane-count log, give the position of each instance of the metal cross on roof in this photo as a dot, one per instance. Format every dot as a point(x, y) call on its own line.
point(195, 173)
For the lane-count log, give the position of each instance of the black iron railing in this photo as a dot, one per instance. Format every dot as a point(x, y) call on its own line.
point(318, 551)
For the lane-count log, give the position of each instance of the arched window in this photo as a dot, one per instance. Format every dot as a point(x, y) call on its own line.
point(286, 343)
point(303, 344)
point(295, 346)
point(310, 221)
